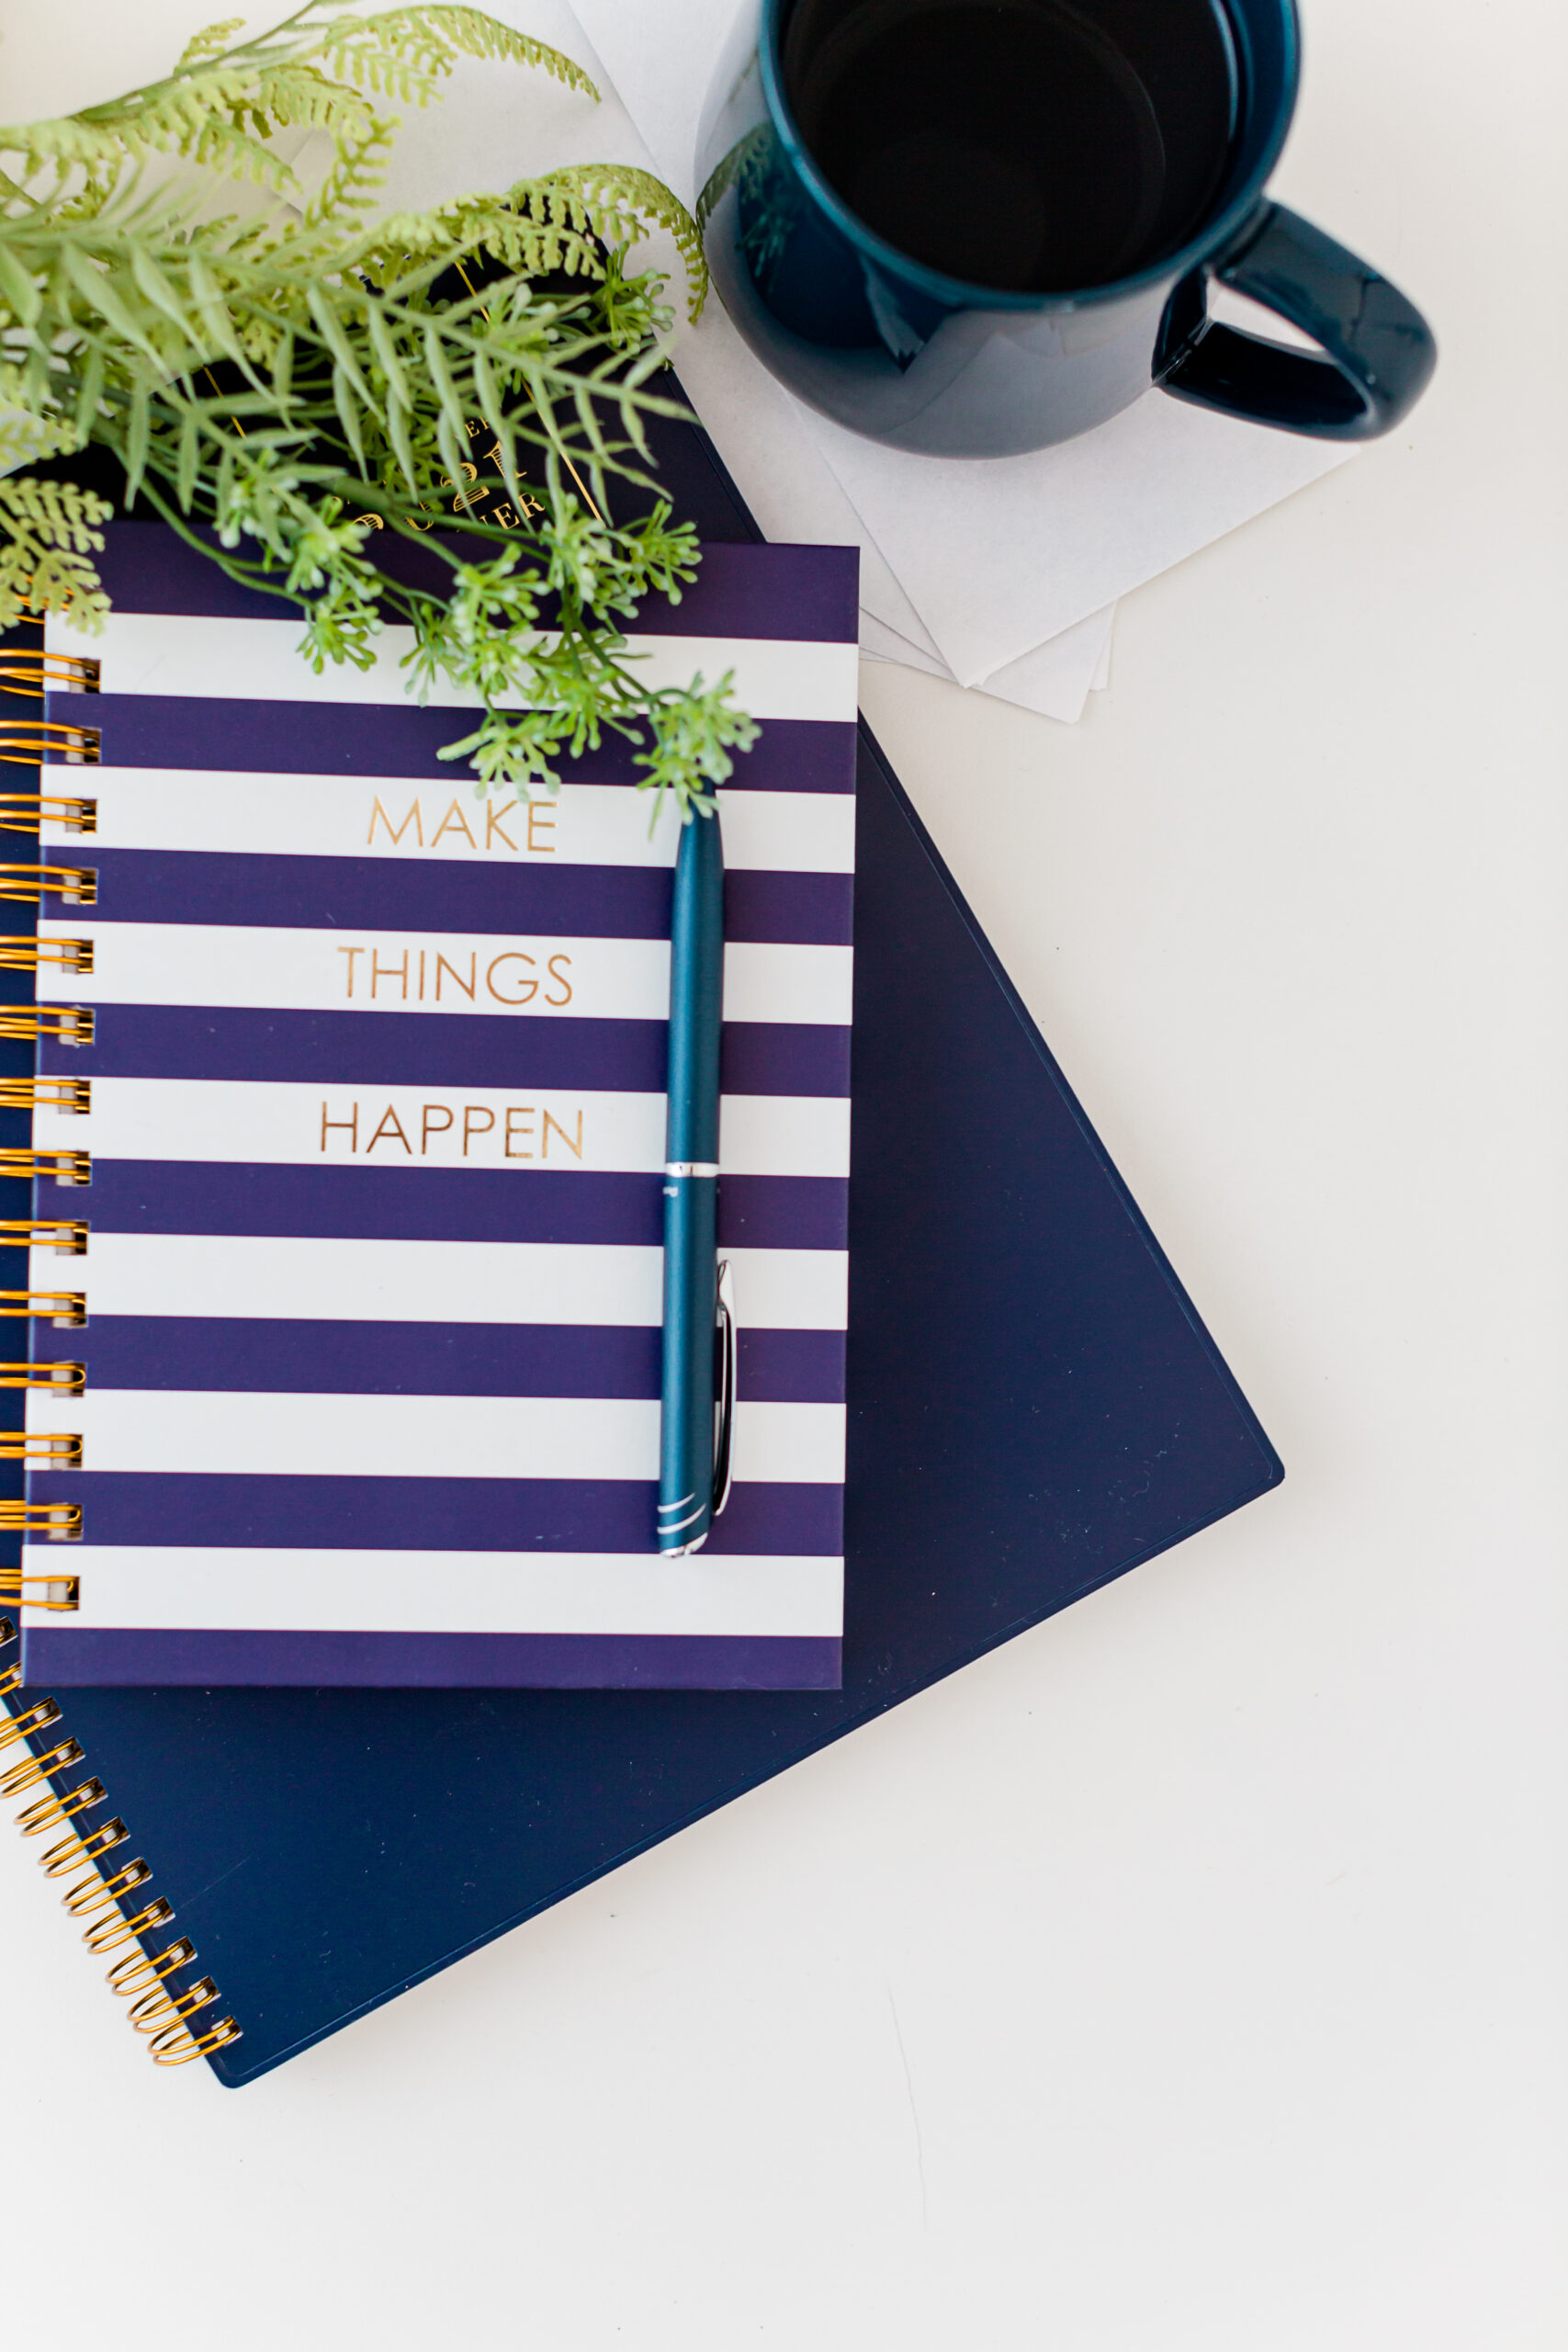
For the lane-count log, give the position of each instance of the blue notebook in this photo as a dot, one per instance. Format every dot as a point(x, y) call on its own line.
point(365, 1361)
point(1034, 1408)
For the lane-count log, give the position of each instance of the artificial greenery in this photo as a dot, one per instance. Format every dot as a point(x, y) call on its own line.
point(298, 394)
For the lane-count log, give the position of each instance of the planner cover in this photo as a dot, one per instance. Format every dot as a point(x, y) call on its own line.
point(350, 1125)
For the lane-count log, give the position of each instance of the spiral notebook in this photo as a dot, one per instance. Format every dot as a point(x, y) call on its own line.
point(1034, 1408)
point(347, 1129)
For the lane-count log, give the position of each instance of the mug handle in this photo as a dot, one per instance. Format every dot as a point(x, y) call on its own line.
point(1379, 351)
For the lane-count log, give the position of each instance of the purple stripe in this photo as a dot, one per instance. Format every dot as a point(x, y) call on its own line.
point(443, 1205)
point(109, 1655)
point(380, 738)
point(741, 590)
point(261, 1357)
point(442, 894)
point(426, 1514)
point(448, 1049)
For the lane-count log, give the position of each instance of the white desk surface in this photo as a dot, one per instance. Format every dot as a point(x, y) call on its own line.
point(1188, 1976)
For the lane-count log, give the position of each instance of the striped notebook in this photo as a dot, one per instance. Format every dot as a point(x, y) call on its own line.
point(350, 1117)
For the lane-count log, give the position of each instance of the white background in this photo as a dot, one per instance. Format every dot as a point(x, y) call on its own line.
point(1188, 1976)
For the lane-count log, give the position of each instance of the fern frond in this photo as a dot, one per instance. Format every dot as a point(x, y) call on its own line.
point(618, 198)
point(403, 52)
point(51, 536)
point(211, 41)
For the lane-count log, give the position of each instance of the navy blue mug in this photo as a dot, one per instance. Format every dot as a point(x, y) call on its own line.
point(977, 226)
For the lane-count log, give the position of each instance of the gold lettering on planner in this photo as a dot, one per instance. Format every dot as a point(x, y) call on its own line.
point(453, 821)
point(538, 816)
point(399, 972)
point(550, 1121)
point(516, 1138)
point(530, 989)
point(396, 832)
point(514, 990)
point(467, 985)
point(391, 1126)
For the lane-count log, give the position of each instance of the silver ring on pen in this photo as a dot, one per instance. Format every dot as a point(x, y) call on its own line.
point(691, 1168)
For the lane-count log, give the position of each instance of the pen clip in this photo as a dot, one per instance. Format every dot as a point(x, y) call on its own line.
point(727, 1368)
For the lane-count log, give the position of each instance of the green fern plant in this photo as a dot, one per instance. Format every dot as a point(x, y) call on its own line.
point(294, 395)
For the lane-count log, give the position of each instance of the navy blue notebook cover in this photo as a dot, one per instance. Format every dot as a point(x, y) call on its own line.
point(1035, 1408)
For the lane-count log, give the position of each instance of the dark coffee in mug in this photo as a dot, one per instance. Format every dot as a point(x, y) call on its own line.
point(1020, 144)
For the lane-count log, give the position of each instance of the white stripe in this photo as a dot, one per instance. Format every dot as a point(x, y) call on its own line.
point(420, 1593)
point(342, 972)
point(254, 660)
point(277, 1124)
point(269, 1277)
point(221, 810)
point(328, 1436)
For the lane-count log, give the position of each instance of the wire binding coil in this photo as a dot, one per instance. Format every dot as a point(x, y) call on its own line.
point(109, 1934)
point(59, 1167)
point(36, 1770)
point(138, 1968)
point(12, 1677)
point(176, 2046)
point(30, 884)
point(96, 1893)
point(158, 2008)
point(56, 1523)
point(158, 2011)
point(29, 812)
point(50, 1450)
point(69, 1095)
point(35, 674)
point(24, 954)
point(25, 741)
point(40, 1717)
point(66, 1236)
point(66, 1308)
point(50, 1379)
point(72, 1851)
point(44, 1813)
point(71, 1024)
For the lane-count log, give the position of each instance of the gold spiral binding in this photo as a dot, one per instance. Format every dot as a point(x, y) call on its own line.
point(40, 1717)
point(45, 1813)
point(54, 1593)
point(30, 885)
point(67, 1237)
point(69, 1024)
point(33, 673)
point(24, 954)
point(56, 1523)
point(176, 2046)
point(156, 2008)
point(25, 741)
point(12, 1677)
point(96, 1893)
point(49, 1450)
point(110, 1933)
point(60, 1167)
point(71, 1851)
point(66, 1308)
point(29, 812)
point(36, 1770)
point(69, 1095)
point(138, 1968)
point(161, 2011)
point(47, 1379)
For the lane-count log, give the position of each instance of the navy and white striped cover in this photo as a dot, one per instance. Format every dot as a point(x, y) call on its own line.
point(373, 1277)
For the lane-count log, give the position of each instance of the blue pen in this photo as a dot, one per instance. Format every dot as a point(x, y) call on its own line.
point(694, 1460)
